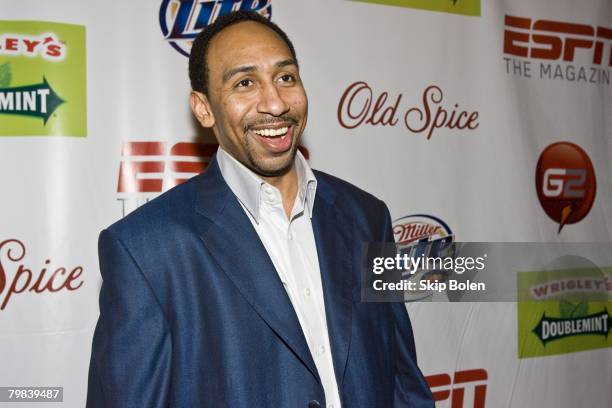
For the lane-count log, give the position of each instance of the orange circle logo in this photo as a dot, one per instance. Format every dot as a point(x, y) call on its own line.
point(565, 183)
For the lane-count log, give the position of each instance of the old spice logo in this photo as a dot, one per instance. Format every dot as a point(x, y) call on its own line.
point(360, 106)
point(17, 277)
point(47, 46)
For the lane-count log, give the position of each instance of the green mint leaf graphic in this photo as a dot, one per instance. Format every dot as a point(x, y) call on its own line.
point(5, 75)
point(566, 310)
point(581, 309)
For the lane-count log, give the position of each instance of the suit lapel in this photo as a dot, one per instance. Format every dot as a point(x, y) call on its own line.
point(234, 244)
point(332, 236)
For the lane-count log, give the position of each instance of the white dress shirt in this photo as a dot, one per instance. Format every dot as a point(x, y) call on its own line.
point(290, 243)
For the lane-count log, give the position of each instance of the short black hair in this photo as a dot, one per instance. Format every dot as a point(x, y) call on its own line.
point(198, 66)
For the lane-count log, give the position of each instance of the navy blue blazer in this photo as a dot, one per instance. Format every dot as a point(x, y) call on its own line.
point(193, 313)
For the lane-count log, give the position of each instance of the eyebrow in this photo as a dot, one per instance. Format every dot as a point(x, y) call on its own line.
point(252, 68)
point(287, 62)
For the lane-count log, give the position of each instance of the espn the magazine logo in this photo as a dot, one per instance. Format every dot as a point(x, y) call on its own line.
point(445, 387)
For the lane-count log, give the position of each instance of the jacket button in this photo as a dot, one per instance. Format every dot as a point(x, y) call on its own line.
point(314, 404)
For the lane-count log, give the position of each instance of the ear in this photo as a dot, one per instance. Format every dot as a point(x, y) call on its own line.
point(200, 106)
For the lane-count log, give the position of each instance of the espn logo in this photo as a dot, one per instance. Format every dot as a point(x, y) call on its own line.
point(554, 40)
point(443, 387)
point(149, 167)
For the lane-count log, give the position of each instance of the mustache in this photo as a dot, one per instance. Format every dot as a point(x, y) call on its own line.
point(271, 120)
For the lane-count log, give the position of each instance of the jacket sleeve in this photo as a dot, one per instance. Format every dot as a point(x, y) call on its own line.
point(411, 388)
point(131, 352)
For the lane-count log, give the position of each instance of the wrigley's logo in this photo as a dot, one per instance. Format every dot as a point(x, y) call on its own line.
point(37, 100)
point(464, 7)
point(43, 79)
point(564, 310)
point(551, 328)
point(47, 46)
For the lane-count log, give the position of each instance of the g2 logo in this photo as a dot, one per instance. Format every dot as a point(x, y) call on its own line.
point(565, 183)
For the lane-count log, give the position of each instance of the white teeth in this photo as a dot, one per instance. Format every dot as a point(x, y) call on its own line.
point(271, 132)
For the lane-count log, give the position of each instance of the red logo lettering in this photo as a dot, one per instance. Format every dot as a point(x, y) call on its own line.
point(554, 40)
point(565, 183)
point(145, 166)
point(442, 387)
point(39, 280)
point(358, 106)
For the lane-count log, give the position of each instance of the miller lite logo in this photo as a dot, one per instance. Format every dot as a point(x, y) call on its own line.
point(182, 20)
point(414, 228)
point(420, 235)
point(565, 183)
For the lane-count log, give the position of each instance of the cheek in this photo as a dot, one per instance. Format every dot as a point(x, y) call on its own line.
point(298, 101)
point(238, 106)
point(233, 112)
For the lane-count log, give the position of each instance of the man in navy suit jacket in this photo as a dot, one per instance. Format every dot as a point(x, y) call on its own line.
point(197, 307)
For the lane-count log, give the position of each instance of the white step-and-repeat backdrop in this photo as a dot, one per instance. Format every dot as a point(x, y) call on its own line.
point(472, 119)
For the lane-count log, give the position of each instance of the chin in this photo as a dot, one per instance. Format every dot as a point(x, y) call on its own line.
point(273, 171)
point(273, 166)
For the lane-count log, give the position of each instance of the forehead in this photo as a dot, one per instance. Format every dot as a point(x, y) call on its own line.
point(246, 42)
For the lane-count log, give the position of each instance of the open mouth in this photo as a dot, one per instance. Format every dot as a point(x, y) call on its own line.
point(272, 132)
point(276, 139)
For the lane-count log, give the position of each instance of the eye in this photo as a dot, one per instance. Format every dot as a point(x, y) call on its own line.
point(244, 83)
point(287, 78)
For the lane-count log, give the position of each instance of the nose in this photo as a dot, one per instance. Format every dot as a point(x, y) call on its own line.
point(271, 101)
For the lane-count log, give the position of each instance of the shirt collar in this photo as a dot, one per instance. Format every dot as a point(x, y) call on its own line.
point(247, 186)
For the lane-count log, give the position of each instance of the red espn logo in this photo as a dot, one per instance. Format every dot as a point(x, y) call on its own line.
point(556, 38)
point(145, 165)
point(455, 389)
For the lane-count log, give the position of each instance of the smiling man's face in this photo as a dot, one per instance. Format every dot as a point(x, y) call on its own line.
point(256, 104)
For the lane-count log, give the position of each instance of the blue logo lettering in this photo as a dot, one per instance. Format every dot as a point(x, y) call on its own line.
point(182, 20)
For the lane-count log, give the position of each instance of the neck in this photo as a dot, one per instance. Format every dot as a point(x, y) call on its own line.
point(287, 184)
